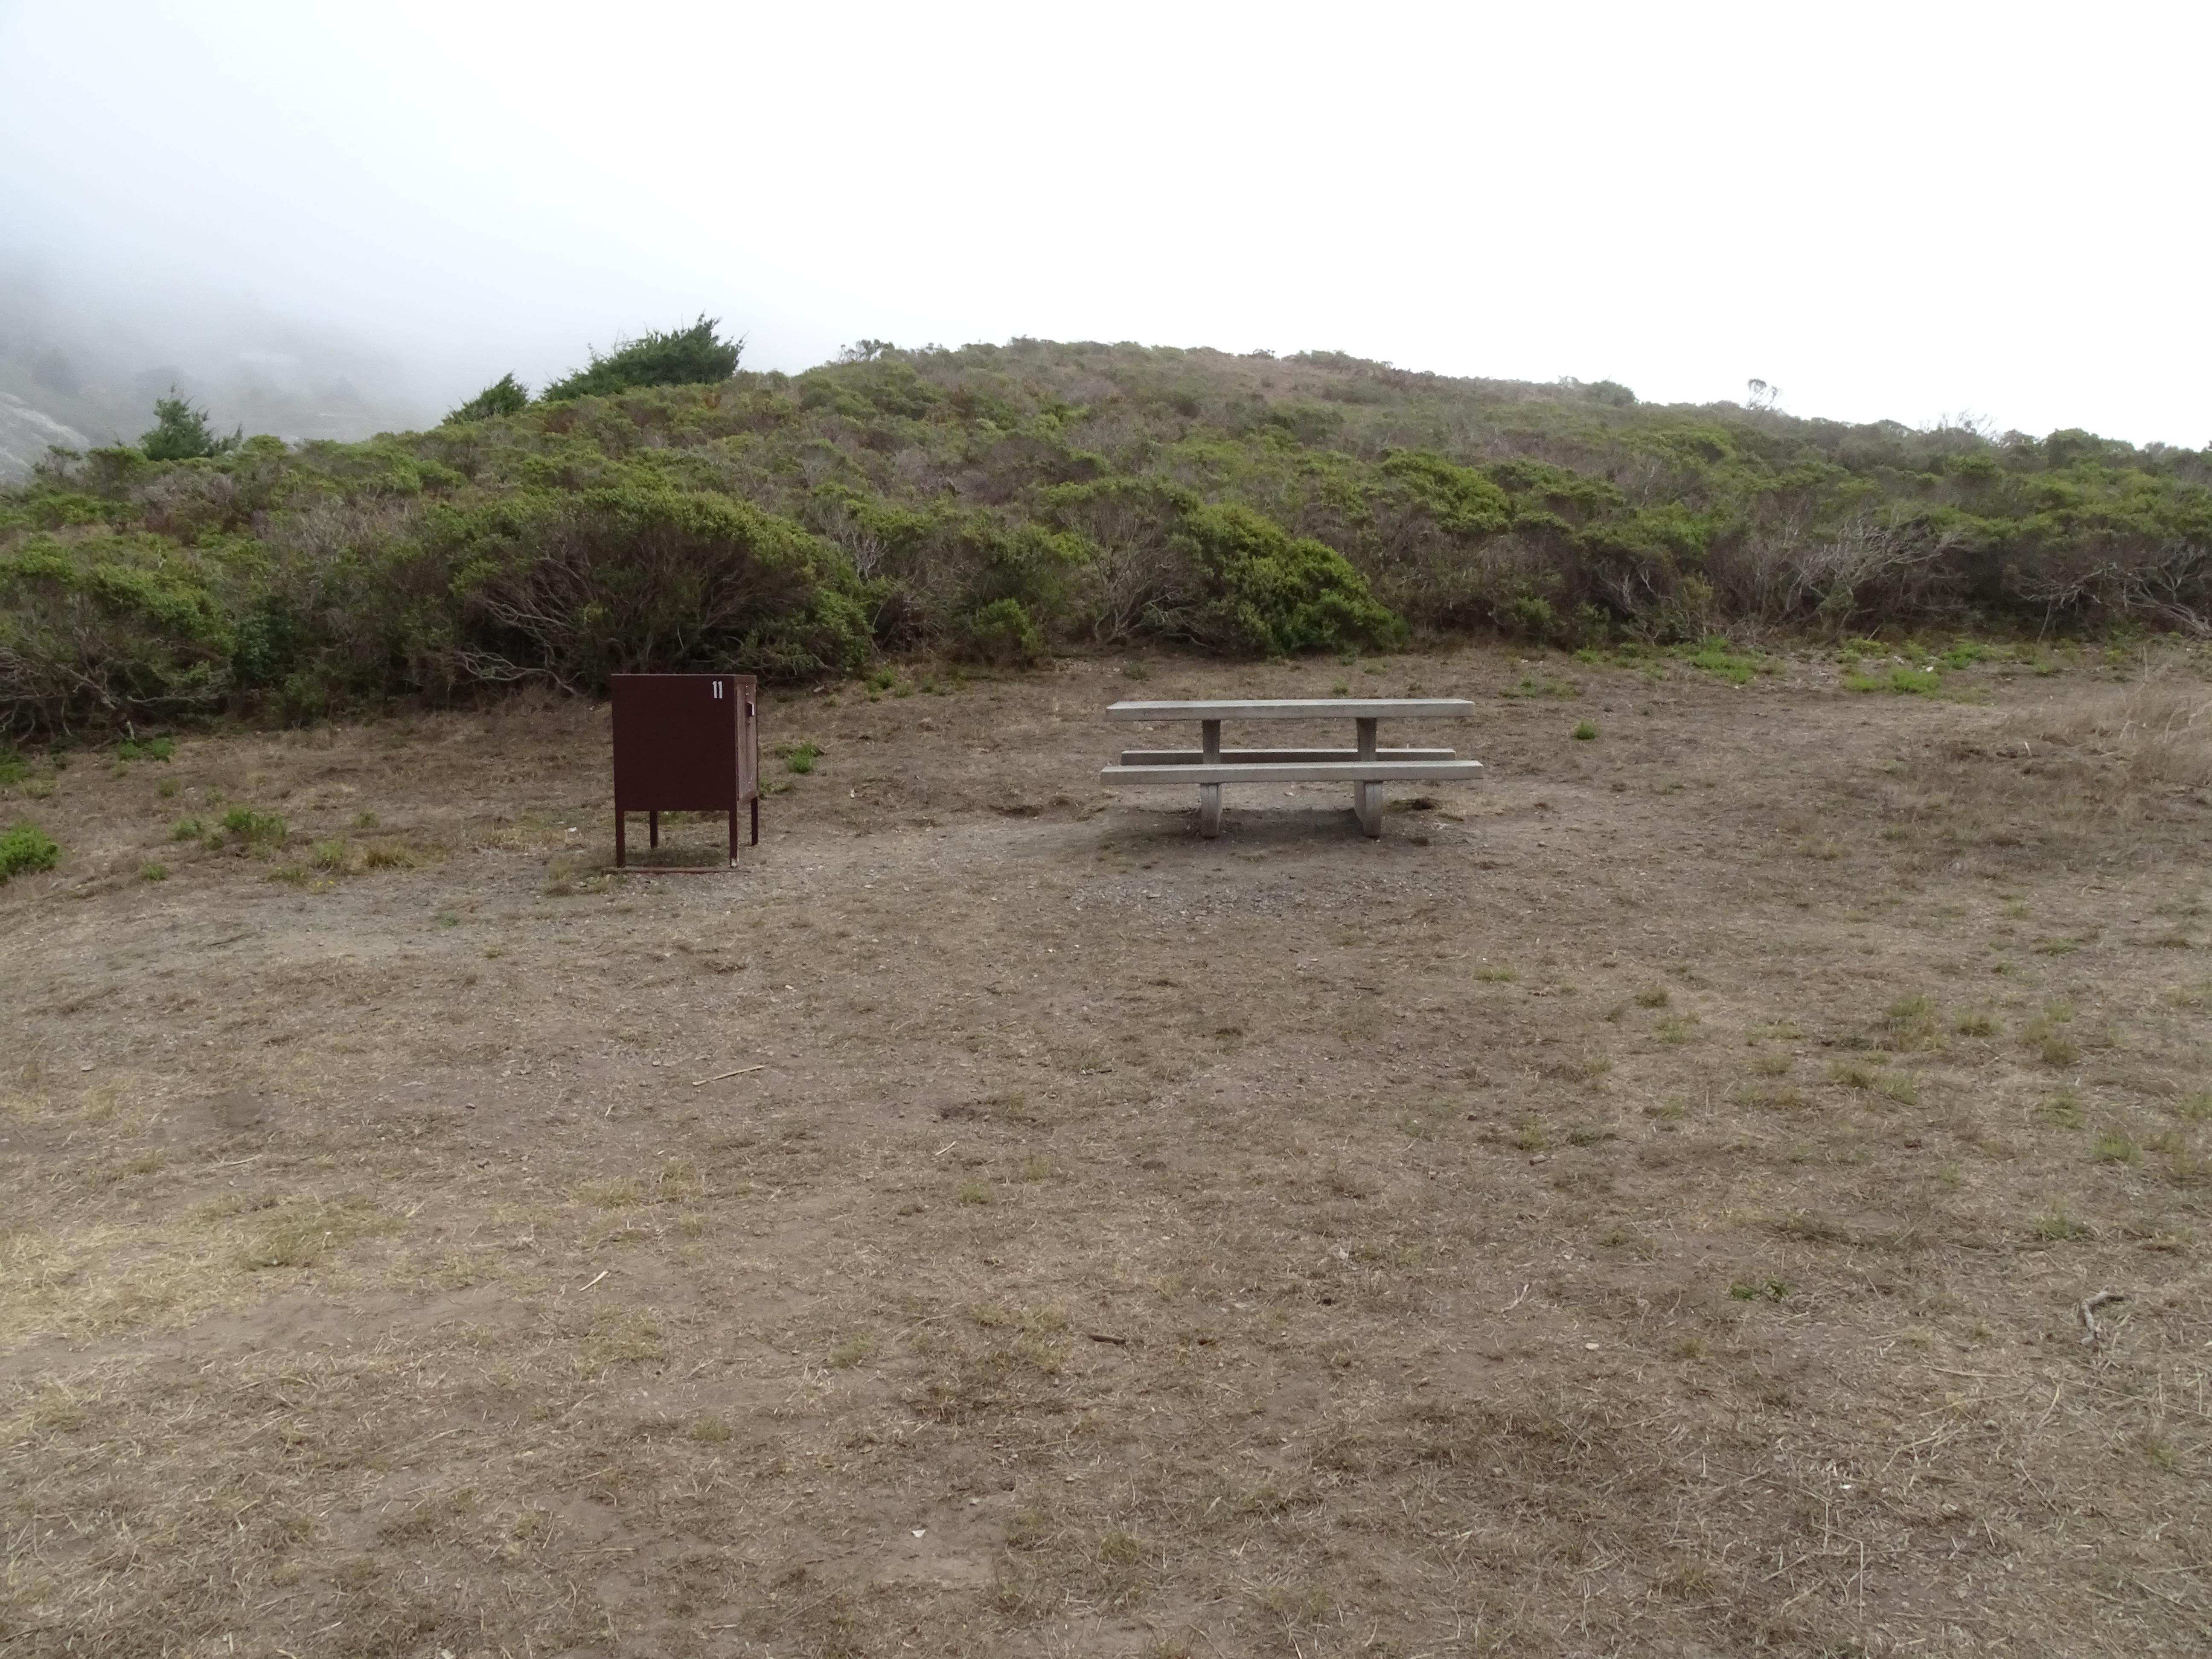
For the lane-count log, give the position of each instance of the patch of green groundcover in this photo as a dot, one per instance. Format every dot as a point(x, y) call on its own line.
point(25, 849)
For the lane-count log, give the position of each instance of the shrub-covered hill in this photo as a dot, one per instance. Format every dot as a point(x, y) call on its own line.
point(996, 501)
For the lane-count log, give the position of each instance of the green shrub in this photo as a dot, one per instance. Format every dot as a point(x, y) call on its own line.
point(25, 849)
point(1465, 502)
point(248, 825)
point(1565, 496)
point(505, 396)
point(572, 588)
point(927, 570)
point(106, 627)
point(1002, 634)
point(684, 356)
point(1265, 592)
point(1520, 614)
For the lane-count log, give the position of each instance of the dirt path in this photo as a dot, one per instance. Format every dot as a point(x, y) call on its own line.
point(1638, 1204)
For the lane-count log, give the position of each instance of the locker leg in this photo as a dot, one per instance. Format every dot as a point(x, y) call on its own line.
point(621, 823)
point(755, 820)
point(653, 828)
point(734, 832)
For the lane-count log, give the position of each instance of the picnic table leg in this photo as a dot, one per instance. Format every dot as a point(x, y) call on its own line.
point(1209, 794)
point(1366, 797)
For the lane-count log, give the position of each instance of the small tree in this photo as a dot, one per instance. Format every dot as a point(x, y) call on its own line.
point(505, 396)
point(180, 433)
point(686, 356)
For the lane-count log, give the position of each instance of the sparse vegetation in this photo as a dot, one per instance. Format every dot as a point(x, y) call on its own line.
point(2114, 1146)
point(253, 828)
point(1771, 1290)
point(1586, 1229)
point(1530, 685)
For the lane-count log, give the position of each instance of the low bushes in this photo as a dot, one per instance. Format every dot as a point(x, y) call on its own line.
point(25, 849)
point(101, 628)
point(576, 586)
point(659, 511)
point(1001, 634)
point(696, 355)
point(1263, 591)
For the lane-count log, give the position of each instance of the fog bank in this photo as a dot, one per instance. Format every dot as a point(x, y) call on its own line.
point(82, 362)
point(1894, 211)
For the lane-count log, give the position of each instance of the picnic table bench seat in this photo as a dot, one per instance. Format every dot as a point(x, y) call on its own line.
point(1366, 767)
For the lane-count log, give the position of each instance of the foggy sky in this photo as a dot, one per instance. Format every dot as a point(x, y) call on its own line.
point(1899, 211)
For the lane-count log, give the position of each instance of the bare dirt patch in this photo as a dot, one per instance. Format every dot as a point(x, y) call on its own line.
point(1641, 1204)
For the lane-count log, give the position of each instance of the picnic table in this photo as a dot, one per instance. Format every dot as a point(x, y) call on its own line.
point(1366, 767)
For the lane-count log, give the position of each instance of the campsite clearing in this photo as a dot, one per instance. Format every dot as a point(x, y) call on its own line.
point(1642, 1202)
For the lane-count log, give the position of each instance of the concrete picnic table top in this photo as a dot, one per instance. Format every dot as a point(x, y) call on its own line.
point(1297, 709)
point(1366, 769)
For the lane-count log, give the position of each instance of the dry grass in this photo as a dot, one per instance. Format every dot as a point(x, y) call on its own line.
point(2156, 727)
point(1592, 1225)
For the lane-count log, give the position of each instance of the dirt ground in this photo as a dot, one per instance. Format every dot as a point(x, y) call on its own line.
point(1640, 1205)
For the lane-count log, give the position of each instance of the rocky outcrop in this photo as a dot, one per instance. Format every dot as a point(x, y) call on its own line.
point(26, 434)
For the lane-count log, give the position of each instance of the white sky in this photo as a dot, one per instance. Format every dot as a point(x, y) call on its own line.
point(1898, 210)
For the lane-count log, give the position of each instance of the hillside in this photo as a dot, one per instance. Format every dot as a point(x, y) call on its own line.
point(999, 501)
point(78, 356)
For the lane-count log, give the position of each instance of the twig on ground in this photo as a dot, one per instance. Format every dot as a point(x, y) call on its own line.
point(2092, 1335)
point(718, 1076)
